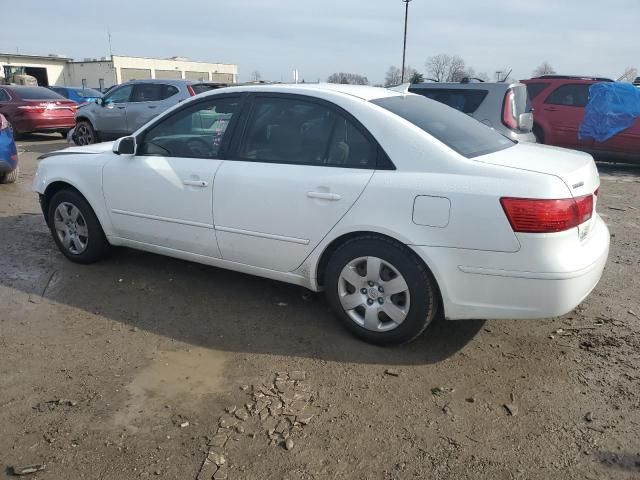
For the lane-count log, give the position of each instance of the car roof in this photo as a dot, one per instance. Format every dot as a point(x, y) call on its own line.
point(493, 86)
point(363, 92)
point(175, 81)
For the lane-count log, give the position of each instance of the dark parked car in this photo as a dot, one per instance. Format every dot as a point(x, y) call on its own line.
point(80, 95)
point(559, 102)
point(36, 109)
point(8, 153)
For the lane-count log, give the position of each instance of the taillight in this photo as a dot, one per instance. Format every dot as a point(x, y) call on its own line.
point(509, 110)
point(191, 90)
point(39, 108)
point(529, 215)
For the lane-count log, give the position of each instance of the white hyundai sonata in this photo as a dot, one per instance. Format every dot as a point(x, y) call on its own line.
point(397, 206)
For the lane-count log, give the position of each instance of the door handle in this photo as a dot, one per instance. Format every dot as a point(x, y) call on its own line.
point(332, 197)
point(550, 109)
point(121, 108)
point(196, 183)
point(152, 106)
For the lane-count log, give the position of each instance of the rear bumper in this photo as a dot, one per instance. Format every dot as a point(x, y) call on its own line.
point(478, 284)
point(43, 123)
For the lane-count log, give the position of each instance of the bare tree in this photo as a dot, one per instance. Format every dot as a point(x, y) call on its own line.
point(255, 76)
point(417, 77)
point(446, 68)
point(629, 75)
point(394, 75)
point(543, 69)
point(351, 78)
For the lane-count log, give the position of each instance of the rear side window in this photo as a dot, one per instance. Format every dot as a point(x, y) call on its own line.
point(534, 89)
point(37, 93)
point(570, 95)
point(283, 130)
point(147, 92)
point(466, 101)
point(459, 132)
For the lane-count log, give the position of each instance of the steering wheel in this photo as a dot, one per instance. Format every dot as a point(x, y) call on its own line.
point(199, 148)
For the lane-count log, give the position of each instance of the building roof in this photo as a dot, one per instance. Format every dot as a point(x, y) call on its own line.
point(61, 58)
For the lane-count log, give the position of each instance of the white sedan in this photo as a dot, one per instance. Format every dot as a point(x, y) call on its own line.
point(398, 207)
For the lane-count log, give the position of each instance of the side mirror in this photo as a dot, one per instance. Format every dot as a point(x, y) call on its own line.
point(525, 122)
point(125, 146)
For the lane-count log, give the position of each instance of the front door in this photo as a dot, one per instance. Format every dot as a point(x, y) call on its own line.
point(111, 117)
point(163, 195)
point(298, 169)
point(564, 111)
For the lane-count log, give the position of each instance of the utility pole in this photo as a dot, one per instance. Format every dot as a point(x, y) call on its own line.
point(404, 47)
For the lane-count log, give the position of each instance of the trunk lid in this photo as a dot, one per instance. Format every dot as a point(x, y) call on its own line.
point(576, 169)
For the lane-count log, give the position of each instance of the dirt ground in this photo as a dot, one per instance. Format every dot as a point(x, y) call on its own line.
point(127, 368)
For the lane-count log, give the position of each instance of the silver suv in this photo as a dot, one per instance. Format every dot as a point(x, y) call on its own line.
point(126, 108)
point(502, 106)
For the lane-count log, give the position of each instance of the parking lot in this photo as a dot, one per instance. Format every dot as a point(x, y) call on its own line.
point(126, 369)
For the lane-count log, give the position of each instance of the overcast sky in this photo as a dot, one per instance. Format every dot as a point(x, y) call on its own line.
point(320, 37)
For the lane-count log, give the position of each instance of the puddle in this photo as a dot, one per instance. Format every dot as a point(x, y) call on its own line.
point(172, 377)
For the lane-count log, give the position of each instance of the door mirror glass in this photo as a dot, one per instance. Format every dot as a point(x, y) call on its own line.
point(125, 146)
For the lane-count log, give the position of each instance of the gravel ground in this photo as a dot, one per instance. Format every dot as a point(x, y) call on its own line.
point(128, 368)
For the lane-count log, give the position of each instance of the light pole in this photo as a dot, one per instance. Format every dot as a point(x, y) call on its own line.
point(404, 47)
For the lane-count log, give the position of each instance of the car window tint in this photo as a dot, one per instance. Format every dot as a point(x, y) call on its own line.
point(193, 132)
point(458, 131)
point(60, 91)
point(466, 101)
point(288, 131)
point(88, 93)
point(120, 95)
point(349, 147)
point(168, 91)
point(570, 95)
point(4, 96)
point(147, 92)
point(534, 89)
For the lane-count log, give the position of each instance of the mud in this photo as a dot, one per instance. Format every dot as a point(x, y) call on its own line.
point(123, 370)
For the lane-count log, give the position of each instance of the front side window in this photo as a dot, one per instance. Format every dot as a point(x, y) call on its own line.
point(120, 95)
point(194, 132)
point(458, 131)
point(571, 95)
point(283, 130)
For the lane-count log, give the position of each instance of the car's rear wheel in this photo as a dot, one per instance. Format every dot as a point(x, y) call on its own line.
point(84, 133)
point(10, 177)
point(380, 290)
point(75, 228)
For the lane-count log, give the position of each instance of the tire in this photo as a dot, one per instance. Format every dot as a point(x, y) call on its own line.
point(10, 177)
point(412, 305)
point(84, 133)
point(87, 243)
point(539, 134)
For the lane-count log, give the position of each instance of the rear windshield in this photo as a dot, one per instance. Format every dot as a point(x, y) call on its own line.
point(467, 101)
point(88, 93)
point(458, 131)
point(205, 87)
point(37, 93)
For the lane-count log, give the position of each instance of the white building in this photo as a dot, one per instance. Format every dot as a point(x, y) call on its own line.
point(104, 72)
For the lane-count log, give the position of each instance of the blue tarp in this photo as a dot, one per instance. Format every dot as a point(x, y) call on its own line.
point(612, 108)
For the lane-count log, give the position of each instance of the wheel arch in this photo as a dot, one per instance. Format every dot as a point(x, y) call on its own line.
point(340, 240)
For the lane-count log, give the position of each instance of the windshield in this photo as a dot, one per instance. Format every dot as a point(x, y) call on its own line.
point(458, 131)
point(88, 93)
point(37, 93)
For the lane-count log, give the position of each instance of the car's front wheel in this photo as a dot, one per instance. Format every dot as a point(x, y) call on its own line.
point(75, 228)
point(380, 290)
point(84, 133)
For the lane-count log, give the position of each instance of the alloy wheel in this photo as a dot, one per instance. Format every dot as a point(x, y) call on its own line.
point(84, 135)
point(71, 228)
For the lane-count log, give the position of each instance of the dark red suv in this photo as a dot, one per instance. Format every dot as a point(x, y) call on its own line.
point(558, 110)
point(36, 109)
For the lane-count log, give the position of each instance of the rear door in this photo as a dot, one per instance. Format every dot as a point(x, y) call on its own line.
point(111, 118)
point(147, 101)
point(564, 111)
point(299, 167)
